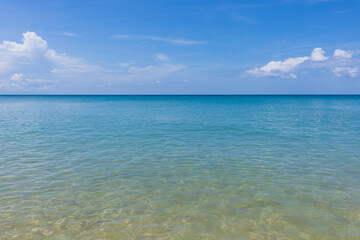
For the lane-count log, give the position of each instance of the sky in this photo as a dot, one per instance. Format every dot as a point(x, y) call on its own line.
point(179, 47)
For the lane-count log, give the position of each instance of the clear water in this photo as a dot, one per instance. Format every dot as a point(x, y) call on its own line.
point(180, 167)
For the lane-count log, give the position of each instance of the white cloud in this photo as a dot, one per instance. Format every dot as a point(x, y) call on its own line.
point(159, 39)
point(13, 54)
point(285, 66)
point(341, 64)
point(17, 77)
point(318, 55)
point(40, 66)
point(162, 57)
point(31, 43)
point(278, 68)
point(342, 53)
point(346, 71)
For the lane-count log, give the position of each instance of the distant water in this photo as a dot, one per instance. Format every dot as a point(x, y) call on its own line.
point(180, 167)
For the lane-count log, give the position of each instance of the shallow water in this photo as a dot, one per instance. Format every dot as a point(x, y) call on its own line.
point(180, 167)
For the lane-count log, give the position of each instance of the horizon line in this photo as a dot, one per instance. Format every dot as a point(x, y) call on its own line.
point(276, 94)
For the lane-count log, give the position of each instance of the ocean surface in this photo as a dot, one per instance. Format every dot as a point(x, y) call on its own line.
point(180, 167)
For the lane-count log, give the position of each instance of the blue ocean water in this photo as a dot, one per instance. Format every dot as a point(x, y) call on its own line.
point(180, 167)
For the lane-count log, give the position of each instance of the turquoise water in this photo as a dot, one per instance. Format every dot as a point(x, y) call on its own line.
point(180, 167)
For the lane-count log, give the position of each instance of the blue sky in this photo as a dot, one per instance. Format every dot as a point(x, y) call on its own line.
point(180, 47)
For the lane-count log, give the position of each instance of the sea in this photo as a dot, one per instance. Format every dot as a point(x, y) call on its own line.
point(180, 167)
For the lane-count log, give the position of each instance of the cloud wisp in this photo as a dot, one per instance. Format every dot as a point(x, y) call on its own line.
point(346, 71)
point(174, 41)
point(150, 72)
point(66, 64)
point(339, 63)
point(162, 57)
point(19, 82)
point(68, 34)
